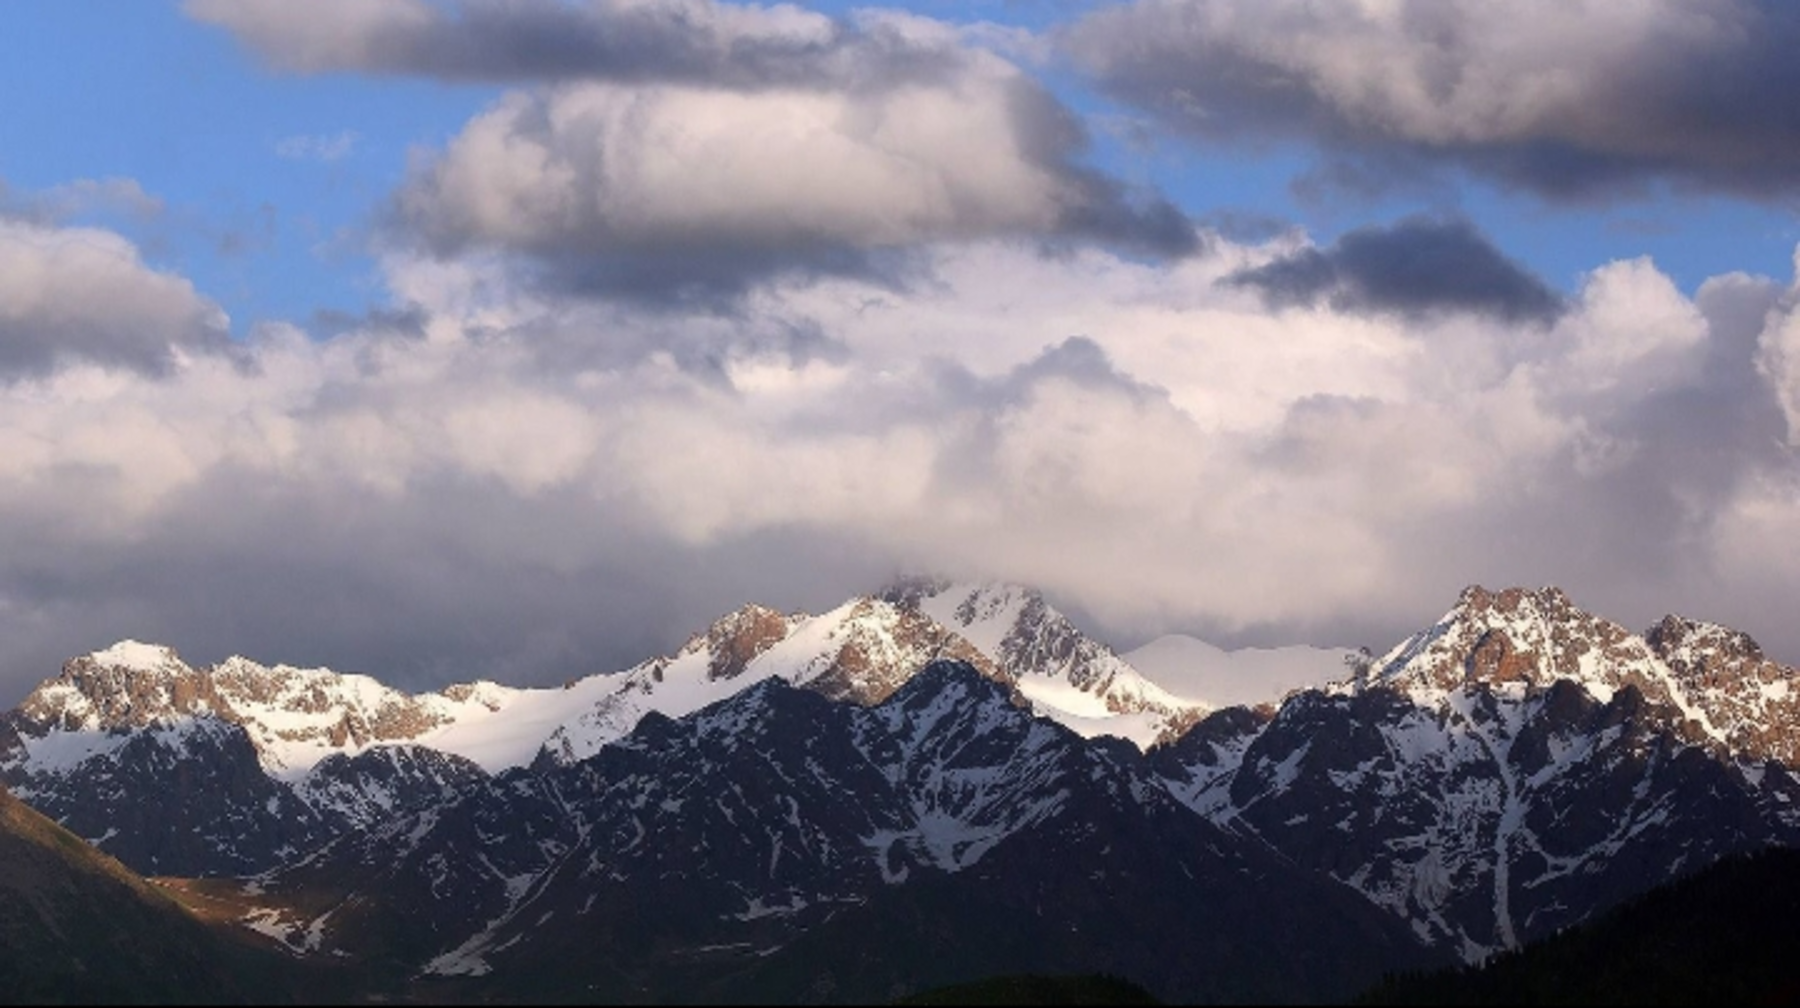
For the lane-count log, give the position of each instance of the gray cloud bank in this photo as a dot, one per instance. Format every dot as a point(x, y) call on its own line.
point(1571, 100)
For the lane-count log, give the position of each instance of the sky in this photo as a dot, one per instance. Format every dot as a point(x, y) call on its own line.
point(519, 339)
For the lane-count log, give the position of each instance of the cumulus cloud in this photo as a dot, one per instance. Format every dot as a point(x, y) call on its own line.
point(681, 149)
point(643, 189)
point(526, 486)
point(83, 294)
point(1417, 266)
point(1569, 100)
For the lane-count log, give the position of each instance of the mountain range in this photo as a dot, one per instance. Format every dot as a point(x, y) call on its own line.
point(927, 785)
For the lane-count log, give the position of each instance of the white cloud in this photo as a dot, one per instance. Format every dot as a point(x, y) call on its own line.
point(621, 168)
point(633, 188)
point(538, 486)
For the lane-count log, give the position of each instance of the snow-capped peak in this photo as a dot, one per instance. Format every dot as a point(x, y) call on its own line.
point(1520, 640)
point(1067, 675)
point(130, 684)
point(861, 651)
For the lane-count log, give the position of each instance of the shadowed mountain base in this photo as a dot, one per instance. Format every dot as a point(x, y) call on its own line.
point(1727, 935)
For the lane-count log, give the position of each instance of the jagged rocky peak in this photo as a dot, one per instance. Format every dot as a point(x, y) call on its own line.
point(909, 591)
point(861, 651)
point(739, 637)
point(297, 715)
point(1021, 631)
point(1520, 636)
point(130, 684)
point(1695, 649)
point(883, 646)
point(1714, 681)
point(1753, 701)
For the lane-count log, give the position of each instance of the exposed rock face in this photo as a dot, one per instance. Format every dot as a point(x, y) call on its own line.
point(885, 649)
point(294, 716)
point(1532, 638)
point(733, 641)
point(128, 686)
point(377, 784)
point(1753, 702)
point(860, 652)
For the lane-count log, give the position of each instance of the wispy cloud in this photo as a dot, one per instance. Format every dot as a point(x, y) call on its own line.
point(80, 198)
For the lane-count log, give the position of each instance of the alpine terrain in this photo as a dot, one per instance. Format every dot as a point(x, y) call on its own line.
point(929, 785)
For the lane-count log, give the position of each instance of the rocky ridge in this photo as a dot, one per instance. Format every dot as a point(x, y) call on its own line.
point(277, 759)
point(1512, 768)
point(716, 856)
point(1516, 767)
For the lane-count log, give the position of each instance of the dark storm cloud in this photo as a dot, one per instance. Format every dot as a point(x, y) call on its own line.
point(1568, 100)
point(1418, 266)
